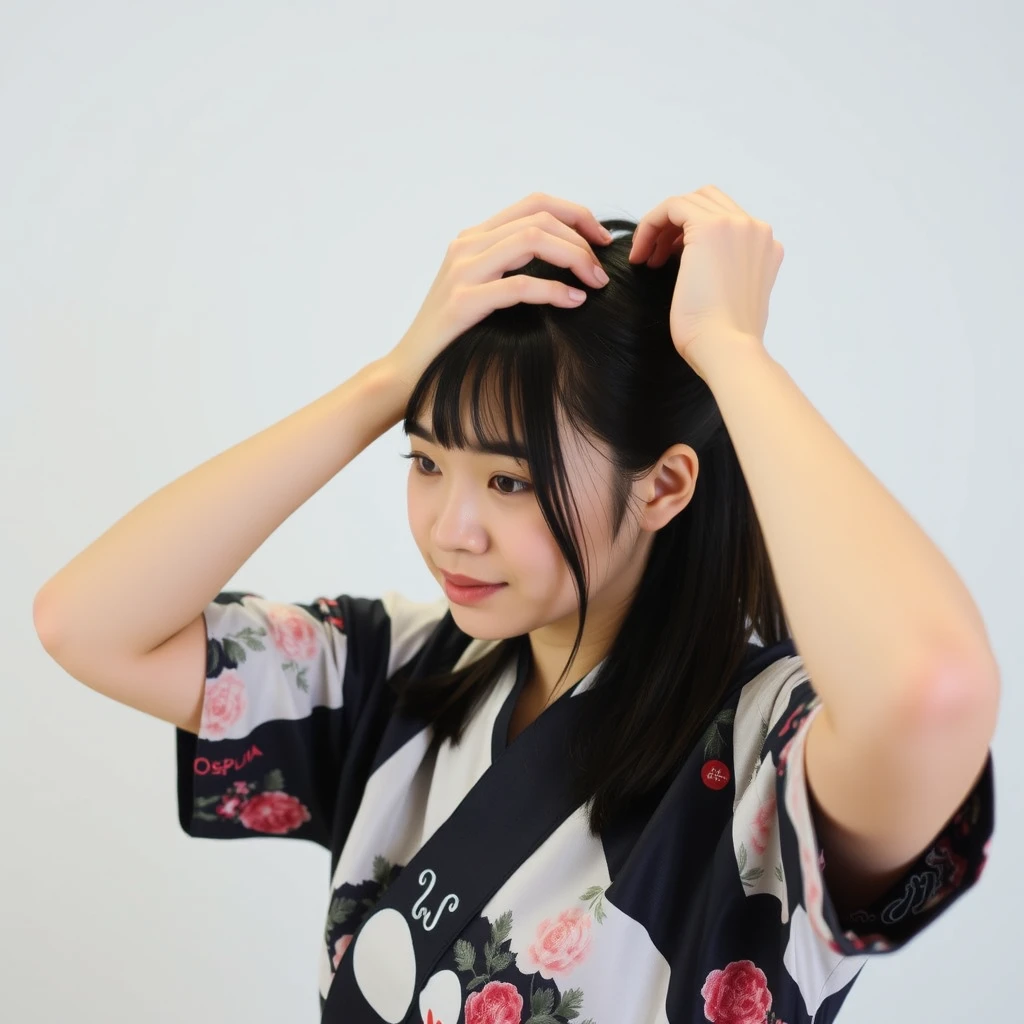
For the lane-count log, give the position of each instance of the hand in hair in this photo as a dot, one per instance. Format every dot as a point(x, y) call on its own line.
point(728, 265)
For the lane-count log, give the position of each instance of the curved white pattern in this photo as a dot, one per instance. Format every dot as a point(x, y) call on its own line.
point(443, 995)
point(385, 964)
point(451, 902)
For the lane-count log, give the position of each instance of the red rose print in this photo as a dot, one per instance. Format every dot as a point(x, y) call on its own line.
point(737, 995)
point(274, 812)
point(293, 634)
point(497, 1002)
point(339, 949)
point(563, 942)
point(229, 806)
point(223, 704)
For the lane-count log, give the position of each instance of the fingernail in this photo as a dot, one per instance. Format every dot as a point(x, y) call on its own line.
point(600, 274)
point(606, 234)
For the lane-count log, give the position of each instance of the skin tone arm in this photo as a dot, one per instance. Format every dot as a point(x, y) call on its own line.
point(102, 618)
point(196, 532)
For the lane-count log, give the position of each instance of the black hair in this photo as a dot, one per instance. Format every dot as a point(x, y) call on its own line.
point(611, 368)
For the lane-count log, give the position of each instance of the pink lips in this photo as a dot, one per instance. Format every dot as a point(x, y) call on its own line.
point(466, 581)
point(471, 593)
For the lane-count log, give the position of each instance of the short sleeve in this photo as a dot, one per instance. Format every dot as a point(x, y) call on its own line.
point(949, 867)
point(285, 686)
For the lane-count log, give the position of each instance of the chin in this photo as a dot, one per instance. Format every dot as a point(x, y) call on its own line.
point(479, 625)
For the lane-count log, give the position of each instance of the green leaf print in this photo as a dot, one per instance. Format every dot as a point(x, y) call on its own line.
point(234, 651)
point(273, 781)
point(341, 909)
point(381, 870)
point(500, 961)
point(713, 741)
point(300, 674)
point(495, 959)
point(249, 636)
point(501, 929)
point(594, 896)
point(569, 1007)
point(465, 956)
point(778, 872)
point(751, 876)
point(543, 1002)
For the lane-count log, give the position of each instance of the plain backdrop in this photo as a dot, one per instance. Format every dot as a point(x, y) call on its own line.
point(211, 214)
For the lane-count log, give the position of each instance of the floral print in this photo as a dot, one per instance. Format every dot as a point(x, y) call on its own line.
point(738, 995)
point(562, 942)
point(224, 704)
point(274, 698)
point(351, 904)
point(293, 633)
point(269, 809)
point(498, 1002)
point(500, 992)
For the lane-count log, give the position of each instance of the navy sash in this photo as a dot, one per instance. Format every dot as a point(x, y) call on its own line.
point(500, 823)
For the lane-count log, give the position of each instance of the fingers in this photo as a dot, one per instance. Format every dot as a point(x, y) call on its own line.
point(572, 214)
point(671, 217)
point(545, 220)
point(509, 291)
point(666, 219)
point(520, 248)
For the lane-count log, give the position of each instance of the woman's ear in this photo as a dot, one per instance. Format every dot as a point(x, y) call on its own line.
point(666, 489)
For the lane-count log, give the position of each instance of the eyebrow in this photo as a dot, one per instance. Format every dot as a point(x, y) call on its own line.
point(510, 449)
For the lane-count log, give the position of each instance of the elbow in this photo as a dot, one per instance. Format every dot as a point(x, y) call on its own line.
point(44, 620)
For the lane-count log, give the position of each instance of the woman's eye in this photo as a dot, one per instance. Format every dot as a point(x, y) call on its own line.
point(517, 486)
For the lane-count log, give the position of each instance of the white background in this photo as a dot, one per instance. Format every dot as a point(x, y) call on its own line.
point(211, 214)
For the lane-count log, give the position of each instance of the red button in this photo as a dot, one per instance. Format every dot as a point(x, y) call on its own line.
point(715, 774)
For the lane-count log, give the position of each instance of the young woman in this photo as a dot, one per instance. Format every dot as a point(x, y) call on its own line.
point(599, 780)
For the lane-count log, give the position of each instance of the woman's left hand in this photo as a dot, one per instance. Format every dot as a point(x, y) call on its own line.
point(727, 270)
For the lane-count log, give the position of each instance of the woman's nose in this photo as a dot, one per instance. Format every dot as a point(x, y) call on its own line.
point(458, 523)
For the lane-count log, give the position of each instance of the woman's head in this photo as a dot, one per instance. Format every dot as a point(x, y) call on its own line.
point(479, 484)
point(612, 505)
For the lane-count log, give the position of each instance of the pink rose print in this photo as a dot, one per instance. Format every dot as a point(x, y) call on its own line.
point(293, 634)
point(339, 948)
point(431, 1019)
point(223, 704)
point(274, 812)
point(562, 943)
point(497, 1002)
point(737, 995)
point(762, 825)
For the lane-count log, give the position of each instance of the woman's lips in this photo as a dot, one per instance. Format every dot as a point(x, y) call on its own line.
point(461, 594)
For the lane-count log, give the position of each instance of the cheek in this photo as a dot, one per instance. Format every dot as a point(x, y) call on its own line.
point(417, 511)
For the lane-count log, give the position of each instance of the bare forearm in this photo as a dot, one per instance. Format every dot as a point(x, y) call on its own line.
point(157, 568)
point(872, 602)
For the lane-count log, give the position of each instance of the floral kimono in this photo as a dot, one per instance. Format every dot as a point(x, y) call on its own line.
point(465, 885)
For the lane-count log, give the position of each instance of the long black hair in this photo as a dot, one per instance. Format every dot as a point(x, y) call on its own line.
point(708, 586)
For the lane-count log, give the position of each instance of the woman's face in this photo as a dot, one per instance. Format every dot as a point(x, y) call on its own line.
point(476, 514)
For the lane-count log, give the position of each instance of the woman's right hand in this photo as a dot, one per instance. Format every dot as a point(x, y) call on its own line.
point(470, 285)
